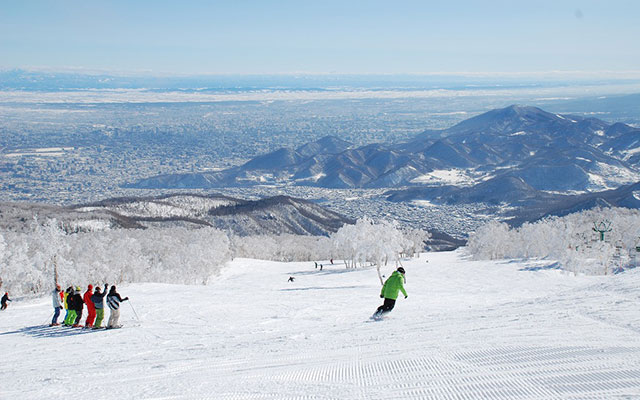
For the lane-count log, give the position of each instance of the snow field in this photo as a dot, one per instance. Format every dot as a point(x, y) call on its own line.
point(469, 330)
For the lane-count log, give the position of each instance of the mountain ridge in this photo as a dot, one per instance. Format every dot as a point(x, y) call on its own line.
point(549, 151)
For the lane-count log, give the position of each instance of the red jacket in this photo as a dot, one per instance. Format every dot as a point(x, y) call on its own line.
point(87, 299)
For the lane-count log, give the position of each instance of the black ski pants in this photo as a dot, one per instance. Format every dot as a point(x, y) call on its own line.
point(386, 306)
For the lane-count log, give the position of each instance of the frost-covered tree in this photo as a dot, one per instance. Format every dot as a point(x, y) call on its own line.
point(570, 239)
point(173, 255)
point(3, 255)
point(285, 247)
point(368, 241)
point(414, 241)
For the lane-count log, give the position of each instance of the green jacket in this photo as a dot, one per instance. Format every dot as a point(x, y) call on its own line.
point(393, 285)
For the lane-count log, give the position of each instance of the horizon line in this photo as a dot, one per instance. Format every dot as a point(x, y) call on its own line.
point(576, 74)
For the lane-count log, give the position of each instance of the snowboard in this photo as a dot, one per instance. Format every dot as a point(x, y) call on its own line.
point(375, 318)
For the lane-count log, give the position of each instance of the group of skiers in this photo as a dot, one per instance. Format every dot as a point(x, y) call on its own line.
point(73, 302)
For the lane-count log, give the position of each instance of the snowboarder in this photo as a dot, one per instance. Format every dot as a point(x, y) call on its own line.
point(4, 301)
point(78, 304)
point(291, 279)
point(57, 305)
point(91, 310)
point(113, 300)
point(390, 289)
point(98, 302)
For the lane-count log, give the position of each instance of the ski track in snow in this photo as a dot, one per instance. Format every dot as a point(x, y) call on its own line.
point(469, 330)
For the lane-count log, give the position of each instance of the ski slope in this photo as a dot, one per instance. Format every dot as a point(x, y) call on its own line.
point(469, 330)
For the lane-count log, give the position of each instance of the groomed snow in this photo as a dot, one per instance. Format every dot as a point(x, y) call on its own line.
point(469, 330)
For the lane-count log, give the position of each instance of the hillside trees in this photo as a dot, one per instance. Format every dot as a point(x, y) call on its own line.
point(369, 241)
point(175, 255)
point(33, 260)
point(570, 240)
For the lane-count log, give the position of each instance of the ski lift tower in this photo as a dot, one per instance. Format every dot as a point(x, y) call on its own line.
point(602, 228)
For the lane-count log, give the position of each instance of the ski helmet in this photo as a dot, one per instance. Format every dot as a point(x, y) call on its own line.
point(401, 270)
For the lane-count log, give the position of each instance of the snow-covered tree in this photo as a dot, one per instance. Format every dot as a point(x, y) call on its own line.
point(414, 240)
point(368, 241)
point(570, 239)
point(176, 255)
point(285, 247)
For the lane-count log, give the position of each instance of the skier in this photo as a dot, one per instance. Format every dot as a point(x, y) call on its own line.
point(91, 310)
point(57, 305)
point(291, 279)
point(77, 305)
point(71, 308)
point(390, 289)
point(98, 302)
point(4, 300)
point(113, 300)
point(66, 295)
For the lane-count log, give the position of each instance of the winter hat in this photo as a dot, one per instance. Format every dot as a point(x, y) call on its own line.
point(90, 287)
point(401, 270)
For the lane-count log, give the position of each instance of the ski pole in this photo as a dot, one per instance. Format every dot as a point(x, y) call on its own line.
point(134, 311)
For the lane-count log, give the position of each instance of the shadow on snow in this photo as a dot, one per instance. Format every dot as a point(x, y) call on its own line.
point(45, 331)
point(321, 288)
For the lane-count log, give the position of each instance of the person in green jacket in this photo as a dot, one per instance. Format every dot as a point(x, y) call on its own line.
point(392, 286)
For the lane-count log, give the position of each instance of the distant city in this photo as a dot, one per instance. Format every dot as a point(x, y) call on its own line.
point(68, 144)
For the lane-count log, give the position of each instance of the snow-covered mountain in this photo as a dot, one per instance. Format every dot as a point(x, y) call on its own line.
point(543, 151)
point(275, 215)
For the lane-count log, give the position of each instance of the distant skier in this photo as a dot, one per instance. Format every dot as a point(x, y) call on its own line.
point(331, 261)
point(91, 310)
point(316, 264)
point(98, 302)
point(390, 289)
point(114, 300)
point(57, 305)
point(78, 304)
point(4, 301)
point(291, 279)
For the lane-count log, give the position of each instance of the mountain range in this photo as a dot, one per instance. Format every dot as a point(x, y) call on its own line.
point(517, 155)
point(273, 215)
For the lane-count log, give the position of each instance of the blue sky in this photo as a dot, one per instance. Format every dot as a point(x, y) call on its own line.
point(248, 37)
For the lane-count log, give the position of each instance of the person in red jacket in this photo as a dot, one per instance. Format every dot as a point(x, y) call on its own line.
point(91, 309)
